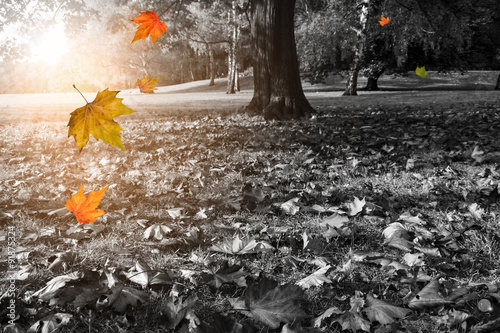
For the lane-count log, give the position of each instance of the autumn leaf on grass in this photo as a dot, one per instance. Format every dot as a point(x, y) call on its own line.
point(176, 309)
point(428, 297)
point(420, 71)
point(50, 323)
point(222, 324)
point(241, 246)
point(315, 279)
point(143, 275)
point(120, 298)
point(146, 84)
point(83, 207)
point(96, 118)
point(150, 24)
point(271, 304)
point(384, 20)
point(383, 312)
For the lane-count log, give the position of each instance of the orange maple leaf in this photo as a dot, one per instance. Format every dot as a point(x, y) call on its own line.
point(146, 85)
point(384, 20)
point(83, 207)
point(150, 24)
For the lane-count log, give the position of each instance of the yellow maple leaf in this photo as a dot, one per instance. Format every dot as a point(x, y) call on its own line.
point(146, 85)
point(420, 71)
point(96, 118)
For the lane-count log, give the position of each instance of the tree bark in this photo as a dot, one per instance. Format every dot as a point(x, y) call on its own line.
point(352, 79)
point(497, 86)
point(278, 91)
point(232, 51)
point(372, 84)
point(211, 64)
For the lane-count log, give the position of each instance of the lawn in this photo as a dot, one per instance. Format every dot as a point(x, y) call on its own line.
point(379, 214)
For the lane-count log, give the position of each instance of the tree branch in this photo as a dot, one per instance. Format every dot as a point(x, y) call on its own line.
point(426, 15)
point(399, 3)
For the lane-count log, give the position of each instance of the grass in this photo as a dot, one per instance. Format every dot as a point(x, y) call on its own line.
point(187, 149)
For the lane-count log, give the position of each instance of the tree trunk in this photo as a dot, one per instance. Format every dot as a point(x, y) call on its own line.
point(497, 87)
point(211, 64)
point(352, 80)
point(372, 84)
point(237, 79)
point(232, 51)
point(278, 91)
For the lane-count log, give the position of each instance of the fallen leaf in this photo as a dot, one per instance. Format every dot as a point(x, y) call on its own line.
point(159, 231)
point(241, 246)
point(54, 286)
point(328, 313)
point(83, 207)
point(146, 85)
point(384, 20)
point(384, 313)
point(121, 297)
point(420, 71)
point(150, 24)
point(315, 279)
point(356, 206)
point(50, 323)
point(176, 309)
point(96, 118)
point(428, 297)
point(230, 274)
point(271, 304)
point(222, 324)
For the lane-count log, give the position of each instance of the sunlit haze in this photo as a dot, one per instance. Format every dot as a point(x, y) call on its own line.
point(51, 46)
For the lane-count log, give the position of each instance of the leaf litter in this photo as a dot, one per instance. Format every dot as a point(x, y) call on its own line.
point(336, 224)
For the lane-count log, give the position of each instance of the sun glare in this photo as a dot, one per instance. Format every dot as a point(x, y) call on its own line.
point(51, 46)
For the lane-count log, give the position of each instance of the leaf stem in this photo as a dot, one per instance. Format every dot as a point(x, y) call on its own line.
point(80, 94)
point(68, 217)
point(164, 13)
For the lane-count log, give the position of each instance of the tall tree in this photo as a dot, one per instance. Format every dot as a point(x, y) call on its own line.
point(278, 90)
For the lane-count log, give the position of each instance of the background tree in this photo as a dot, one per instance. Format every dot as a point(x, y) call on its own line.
point(278, 90)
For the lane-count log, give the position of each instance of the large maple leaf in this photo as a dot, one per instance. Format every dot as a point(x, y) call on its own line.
point(96, 118)
point(271, 304)
point(146, 84)
point(83, 207)
point(150, 24)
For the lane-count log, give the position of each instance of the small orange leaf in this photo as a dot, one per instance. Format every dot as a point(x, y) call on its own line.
point(384, 20)
point(83, 207)
point(146, 85)
point(150, 24)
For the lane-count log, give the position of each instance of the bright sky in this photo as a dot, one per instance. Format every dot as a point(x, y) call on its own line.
point(51, 46)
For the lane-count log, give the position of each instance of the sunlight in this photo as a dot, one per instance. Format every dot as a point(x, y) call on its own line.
point(51, 47)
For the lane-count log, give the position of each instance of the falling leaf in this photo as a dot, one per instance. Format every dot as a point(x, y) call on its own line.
point(146, 85)
point(241, 246)
point(315, 279)
point(383, 312)
point(96, 118)
point(420, 71)
point(384, 20)
point(428, 297)
point(83, 207)
point(271, 304)
point(150, 24)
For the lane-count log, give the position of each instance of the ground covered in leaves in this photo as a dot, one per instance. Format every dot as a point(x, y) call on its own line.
point(376, 219)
